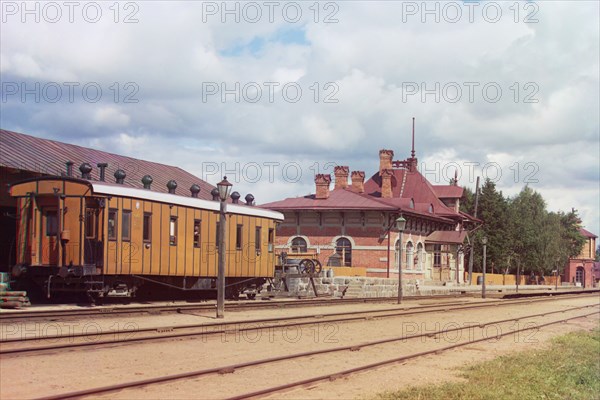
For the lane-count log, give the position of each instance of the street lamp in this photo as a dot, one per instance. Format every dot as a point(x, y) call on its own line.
point(400, 225)
point(459, 255)
point(224, 188)
point(484, 241)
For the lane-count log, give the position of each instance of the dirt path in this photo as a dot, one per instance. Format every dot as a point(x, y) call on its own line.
point(39, 375)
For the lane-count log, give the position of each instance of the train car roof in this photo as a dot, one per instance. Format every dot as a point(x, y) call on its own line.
point(144, 194)
point(109, 189)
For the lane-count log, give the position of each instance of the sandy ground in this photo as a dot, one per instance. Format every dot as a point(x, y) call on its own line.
point(40, 375)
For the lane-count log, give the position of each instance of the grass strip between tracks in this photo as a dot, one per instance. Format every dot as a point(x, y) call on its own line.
point(568, 369)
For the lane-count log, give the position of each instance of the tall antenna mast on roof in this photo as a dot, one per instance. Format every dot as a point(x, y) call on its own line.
point(412, 153)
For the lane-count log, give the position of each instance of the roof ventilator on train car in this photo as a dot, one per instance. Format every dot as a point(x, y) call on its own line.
point(147, 181)
point(70, 168)
point(215, 194)
point(235, 197)
point(86, 171)
point(195, 189)
point(120, 176)
point(249, 199)
point(102, 167)
point(172, 186)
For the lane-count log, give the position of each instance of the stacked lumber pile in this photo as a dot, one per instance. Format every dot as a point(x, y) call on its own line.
point(9, 298)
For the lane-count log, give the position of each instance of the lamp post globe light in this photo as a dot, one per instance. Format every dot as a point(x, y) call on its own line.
point(484, 241)
point(400, 225)
point(224, 188)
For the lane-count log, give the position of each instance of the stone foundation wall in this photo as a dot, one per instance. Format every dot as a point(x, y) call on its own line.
point(350, 287)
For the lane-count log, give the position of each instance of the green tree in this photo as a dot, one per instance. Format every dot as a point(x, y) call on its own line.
point(527, 212)
point(493, 210)
point(573, 239)
point(467, 202)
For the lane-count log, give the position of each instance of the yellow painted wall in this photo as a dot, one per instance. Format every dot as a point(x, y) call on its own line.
point(347, 271)
point(499, 279)
point(158, 256)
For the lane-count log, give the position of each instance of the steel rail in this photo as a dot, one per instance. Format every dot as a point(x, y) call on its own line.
point(192, 326)
point(232, 368)
point(437, 351)
point(249, 305)
point(223, 327)
point(178, 308)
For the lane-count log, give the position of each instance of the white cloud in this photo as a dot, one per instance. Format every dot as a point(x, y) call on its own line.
point(373, 49)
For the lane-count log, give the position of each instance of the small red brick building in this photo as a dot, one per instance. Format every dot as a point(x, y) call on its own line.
point(580, 270)
point(352, 225)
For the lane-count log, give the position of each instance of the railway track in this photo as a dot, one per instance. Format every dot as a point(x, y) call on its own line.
point(12, 346)
point(357, 364)
point(108, 311)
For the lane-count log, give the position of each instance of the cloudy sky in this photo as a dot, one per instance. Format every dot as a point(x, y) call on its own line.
point(271, 92)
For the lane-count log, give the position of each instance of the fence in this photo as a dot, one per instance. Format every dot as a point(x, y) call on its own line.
point(509, 279)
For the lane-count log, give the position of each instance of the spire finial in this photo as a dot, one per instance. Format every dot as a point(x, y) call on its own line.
point(412, 153)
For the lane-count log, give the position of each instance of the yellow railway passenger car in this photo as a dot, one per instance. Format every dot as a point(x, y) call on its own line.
point(106, 239)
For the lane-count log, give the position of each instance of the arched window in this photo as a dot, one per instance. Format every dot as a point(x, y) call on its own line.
point(298, 245)
point(343, 248)
point(409, 255)
point(420, 257)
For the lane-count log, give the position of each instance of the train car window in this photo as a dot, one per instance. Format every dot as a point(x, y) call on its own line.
point(238, 237)
point(197, 225)
point(271, 236)
point(112, 224)
point(90, 227)
point(51, 223)
point(147, 227)
point(173, 231)
point(257, 239)
point(126, 230)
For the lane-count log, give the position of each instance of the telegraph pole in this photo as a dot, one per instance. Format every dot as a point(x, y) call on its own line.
point(473, 241)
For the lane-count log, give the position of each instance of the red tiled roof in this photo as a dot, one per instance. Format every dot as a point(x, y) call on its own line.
point(338, 199)
point(406, 186)
point(446, 237)
point(411, 185)
point(587, 234)
point(48, 157)
point(448, 191)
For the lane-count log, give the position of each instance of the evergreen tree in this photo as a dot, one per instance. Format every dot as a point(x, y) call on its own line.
point(493, 208)
point(467, 201)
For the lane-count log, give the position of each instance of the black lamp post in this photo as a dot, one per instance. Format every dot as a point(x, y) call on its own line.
point(224, 188)
point(400, 225)
point(459, 254)
point(484, 241)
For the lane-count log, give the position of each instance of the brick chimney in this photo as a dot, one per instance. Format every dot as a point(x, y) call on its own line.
point(386, 183)
point(385, 159)
point(341, 177)
point(358, 181)
point(322, 181)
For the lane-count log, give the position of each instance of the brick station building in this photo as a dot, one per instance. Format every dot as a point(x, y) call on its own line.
point(582, 268)
point(352, 225)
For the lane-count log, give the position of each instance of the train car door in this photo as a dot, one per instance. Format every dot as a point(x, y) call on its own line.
point(92, 253)
point(49, 242)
